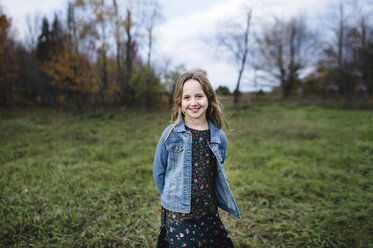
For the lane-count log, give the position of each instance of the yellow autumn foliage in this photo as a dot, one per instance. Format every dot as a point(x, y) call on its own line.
point(4, 28)
point(70, 71)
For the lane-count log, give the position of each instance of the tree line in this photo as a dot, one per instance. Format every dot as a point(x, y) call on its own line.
point(92, 56)
point(300, 60)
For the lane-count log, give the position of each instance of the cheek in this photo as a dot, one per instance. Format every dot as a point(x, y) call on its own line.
point(206, 103)
point(183, 105)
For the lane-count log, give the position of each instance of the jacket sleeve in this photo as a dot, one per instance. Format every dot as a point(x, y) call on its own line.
point(160, 165)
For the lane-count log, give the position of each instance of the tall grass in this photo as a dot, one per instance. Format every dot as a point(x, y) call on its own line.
point(301, 176)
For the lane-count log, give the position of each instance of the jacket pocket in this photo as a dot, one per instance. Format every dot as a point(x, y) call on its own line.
point(174, 146)
point(175, 150)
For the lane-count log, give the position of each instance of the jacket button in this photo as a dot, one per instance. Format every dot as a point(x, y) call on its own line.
point(186, 191)
point(186, 209)
point(176, 148)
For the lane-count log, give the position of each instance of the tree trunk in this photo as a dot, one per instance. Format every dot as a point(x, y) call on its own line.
point(243, 60)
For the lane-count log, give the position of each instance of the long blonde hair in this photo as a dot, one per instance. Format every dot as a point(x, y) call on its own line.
point(214, 111)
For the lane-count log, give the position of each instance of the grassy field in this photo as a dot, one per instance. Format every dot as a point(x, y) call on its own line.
point(301, 176)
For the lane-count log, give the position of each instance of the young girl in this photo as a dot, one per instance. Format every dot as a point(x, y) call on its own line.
point(188, 169)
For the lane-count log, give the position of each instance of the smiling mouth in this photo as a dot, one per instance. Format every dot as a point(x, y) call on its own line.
point(194, 110)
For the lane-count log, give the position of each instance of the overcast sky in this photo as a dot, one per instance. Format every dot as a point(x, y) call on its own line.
point(184, 37)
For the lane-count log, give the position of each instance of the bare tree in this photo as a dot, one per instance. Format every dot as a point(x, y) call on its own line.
point(354, 38)
point(285, 50)
point(96, 23)
point(337, 56)
point(33, 23)
point(118, 25)
point(235, 38)
point(344, 57)
point(130, 46)
point(255, 65)
point(362, 38)
point(125, 36)
point(152, 18)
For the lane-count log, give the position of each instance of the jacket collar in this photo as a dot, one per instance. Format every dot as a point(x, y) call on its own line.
point(215, 138)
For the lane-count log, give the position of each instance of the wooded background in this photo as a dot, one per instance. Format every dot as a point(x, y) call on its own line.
point(99, 53)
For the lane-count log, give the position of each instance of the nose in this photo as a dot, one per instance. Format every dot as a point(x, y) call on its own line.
point(194, 101)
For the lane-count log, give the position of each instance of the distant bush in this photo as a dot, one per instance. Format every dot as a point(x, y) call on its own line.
point(223, 90)
point(260, 93)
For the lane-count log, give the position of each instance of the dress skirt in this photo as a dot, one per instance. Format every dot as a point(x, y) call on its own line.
point(202, 227)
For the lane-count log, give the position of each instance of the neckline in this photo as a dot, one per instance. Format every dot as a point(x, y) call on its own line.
point(196, 129)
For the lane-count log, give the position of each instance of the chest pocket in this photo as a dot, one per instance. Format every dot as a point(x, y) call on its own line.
point(175, 146)
point(175, 153)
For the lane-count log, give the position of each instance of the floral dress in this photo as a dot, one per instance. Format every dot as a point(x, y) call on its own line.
point(202, 227)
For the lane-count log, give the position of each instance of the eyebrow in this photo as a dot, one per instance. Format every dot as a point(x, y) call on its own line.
point(201, 93)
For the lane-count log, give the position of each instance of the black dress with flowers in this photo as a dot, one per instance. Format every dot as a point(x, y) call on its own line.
point(202, 227)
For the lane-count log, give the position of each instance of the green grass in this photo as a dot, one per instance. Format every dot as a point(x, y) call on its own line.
point(301, 176)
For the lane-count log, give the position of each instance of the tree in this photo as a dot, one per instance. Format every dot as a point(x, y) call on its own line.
point(152, 17)
point(4, 28)
point(130, 44)
point(147, 87)
point(286, 49)
point(72, 26)
point(170, 79)
point(343, 74)
point(96, 20)
point(32, 31)
point(8, 67)
point(50, 44)
point(235, 38)
point(50, 41)
point(126, 44)
point(118, 23)
point(69, 71)
point(43, 48)
point(362, 49)
point(223, 90)
point(348, 55)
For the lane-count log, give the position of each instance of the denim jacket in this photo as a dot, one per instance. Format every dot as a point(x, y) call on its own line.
point(172, 169)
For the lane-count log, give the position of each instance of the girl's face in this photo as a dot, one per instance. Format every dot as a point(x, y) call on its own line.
point(194, 101)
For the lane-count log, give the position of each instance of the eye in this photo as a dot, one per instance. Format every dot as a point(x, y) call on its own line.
point(200, 96)
point(186, 97)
